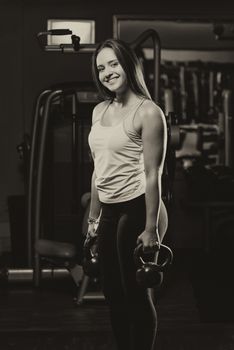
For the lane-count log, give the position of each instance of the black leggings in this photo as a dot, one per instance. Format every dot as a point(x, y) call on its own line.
point(132, 312)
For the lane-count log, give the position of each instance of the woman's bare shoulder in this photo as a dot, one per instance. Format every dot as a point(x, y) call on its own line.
point(150, 112)
point(97, 109)
point(150, 108)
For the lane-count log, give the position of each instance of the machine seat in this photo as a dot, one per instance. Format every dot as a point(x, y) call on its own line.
point(61, 250)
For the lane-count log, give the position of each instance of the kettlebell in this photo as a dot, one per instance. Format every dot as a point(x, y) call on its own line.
point(90, 261)
point(150, 274)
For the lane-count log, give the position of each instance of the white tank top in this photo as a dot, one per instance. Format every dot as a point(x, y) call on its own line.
point(118, 158)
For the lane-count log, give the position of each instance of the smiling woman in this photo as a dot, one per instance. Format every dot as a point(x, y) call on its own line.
point(128, 143)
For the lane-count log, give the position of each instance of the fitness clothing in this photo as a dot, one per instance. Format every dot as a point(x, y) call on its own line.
point(132, 312)
point(118, 158)
point(121, 183)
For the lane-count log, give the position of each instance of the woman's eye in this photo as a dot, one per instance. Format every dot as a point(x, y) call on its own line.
point(114, 64)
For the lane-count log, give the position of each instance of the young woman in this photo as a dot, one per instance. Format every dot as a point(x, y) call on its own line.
point(128, 143)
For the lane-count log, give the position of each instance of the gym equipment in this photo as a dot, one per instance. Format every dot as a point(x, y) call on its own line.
point(173, 143)
point(149, 274)
point(174, 132)
point(183, 93)
point(56, 96)
point(228, 127)
point(151, 33)
point(90, 261)
point(195, 95)
point(168, 101)
point(24, 275)
point(74, 47)
point(31, 167)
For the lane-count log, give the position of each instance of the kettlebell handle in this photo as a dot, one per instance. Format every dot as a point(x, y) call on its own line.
point(138, 253)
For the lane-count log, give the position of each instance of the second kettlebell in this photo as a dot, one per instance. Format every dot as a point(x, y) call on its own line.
point(150, 274)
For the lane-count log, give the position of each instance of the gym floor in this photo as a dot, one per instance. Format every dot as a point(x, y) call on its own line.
point(48, 318)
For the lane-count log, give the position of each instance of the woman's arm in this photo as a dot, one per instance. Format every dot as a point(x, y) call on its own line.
point(95, 205)
point(154, 138)
point(94, 211)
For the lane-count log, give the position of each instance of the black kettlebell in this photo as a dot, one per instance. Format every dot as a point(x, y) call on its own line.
point(90, 261)
point(150, 274)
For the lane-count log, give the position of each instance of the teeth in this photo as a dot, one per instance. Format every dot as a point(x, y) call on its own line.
point(112, 79)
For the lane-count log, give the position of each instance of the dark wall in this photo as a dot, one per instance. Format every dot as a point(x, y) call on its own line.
point(42, 69)
point(26, 69)
point(11, 100)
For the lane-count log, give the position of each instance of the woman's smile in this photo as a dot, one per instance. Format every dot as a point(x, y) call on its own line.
point(111, 80)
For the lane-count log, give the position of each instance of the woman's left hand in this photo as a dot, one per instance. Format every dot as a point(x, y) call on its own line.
point(149, 240)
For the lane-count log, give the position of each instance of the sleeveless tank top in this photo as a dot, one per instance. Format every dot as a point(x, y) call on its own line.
point(118, 158)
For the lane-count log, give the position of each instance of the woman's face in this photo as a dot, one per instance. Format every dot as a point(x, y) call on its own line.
point(111, 73)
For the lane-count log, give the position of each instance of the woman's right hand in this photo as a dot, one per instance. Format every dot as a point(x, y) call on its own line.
point(91, 232)
point(92, 229)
